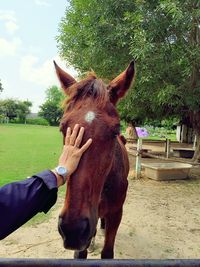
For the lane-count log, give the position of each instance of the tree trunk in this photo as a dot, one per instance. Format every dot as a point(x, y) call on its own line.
point(133, 124)
point(195, 77)
point(195, 120)
point(131, 131)
point(196, 157)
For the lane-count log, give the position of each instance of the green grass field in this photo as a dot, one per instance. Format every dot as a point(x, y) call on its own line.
point(27, 149)
point(172, 137)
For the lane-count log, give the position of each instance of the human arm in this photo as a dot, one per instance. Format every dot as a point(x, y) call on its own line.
point(20, 201)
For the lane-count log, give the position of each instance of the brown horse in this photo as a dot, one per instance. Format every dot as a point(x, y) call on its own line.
point(98, 187)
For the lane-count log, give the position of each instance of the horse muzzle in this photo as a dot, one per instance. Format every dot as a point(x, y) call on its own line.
point(76, 235)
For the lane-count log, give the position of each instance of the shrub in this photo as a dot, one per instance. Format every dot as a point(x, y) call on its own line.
point(37, 121)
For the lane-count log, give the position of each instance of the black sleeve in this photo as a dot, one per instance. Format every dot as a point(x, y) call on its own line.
point(20, 201)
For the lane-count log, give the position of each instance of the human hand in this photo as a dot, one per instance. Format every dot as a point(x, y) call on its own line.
point(72, 151)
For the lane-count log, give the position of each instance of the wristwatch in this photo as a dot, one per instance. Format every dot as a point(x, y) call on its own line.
point(63, 172)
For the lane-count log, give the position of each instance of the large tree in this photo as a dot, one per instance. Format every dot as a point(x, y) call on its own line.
point(51, 109)
point(12, 108)
point(23, 109)
point(164, 38)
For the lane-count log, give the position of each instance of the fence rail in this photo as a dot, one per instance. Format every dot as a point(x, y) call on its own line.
point(6, 262)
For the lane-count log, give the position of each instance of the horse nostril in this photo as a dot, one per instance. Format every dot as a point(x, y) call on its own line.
point(85, 227)
point(80, 228)
point(75, 234)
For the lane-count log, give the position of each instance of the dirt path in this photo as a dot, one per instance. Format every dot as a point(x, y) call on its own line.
point(161, 220)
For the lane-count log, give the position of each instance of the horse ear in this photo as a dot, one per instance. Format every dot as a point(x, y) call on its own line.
point(120, 85)
point(66, 80)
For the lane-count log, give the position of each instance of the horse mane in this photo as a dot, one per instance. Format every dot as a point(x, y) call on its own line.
point(90, 87)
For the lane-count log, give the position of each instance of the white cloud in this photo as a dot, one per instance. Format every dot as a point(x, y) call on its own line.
point(42, 74)
point(9, 48)
point(42, 3)
point(9, 19)
point(7, 15)
point(34, 49)
point(31, 71)
point(11, 26)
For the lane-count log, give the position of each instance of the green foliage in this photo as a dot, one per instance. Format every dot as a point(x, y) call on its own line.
point(160, 133)
point(90, 30)
point(168, 124)
point(123, 126)
point(23, 109)
point(37, 121)
point(162, 35)
point(9, 108)
point(54, 94)
point(15, 109)
point(51, 110)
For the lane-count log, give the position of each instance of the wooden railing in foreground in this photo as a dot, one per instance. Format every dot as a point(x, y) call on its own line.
point(6, 262)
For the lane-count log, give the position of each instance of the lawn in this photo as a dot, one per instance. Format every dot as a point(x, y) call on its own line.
point(27, 149)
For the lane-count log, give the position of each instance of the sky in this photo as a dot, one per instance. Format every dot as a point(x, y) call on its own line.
point(28, 47)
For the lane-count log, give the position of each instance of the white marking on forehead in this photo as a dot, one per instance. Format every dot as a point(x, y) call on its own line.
point(89, 116)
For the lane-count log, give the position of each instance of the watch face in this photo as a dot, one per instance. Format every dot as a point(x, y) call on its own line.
point(61, 170)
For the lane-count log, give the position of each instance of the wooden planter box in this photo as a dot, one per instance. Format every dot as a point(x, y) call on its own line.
point(167, 171)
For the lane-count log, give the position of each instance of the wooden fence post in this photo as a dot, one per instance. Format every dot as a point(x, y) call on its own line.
point(138, 159)
point(167, 148)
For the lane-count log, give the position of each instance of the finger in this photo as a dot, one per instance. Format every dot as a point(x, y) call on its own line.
point(74, 134)
point(67, 137)
point(79, 137)
point(85, 146)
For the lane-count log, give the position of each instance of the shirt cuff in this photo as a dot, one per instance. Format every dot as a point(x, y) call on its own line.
point(49, 178)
